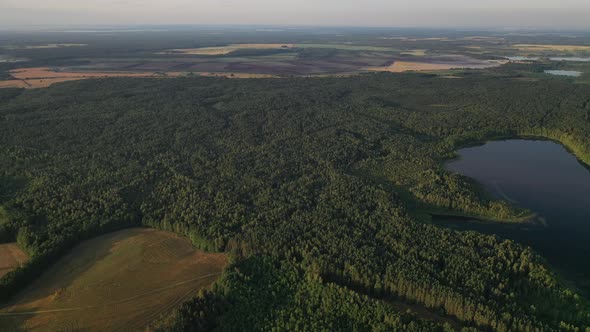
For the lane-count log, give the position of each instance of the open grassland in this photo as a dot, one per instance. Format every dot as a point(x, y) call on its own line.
point(11, 257)
point(548, 47)
point(403, 66)
point(119, 281)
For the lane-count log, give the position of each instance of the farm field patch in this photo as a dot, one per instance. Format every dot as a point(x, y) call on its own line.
point(118, 281)
point(403, 66)
point(41, 77)
point(11, 257)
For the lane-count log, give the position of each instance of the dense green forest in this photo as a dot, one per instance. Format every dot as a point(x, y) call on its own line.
point(312, 184)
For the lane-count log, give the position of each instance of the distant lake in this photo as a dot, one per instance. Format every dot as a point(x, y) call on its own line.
point(572, 73)
point(11, 60)
point(545, 178)
point(522, 58)
point(572, 58)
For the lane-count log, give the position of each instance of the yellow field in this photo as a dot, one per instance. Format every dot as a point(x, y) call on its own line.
point(403, 66)
point(224, 49)
point(13, 84)
point(11, 257)
point(33, 78)
point(548, 47)
point(119, 281)
point(44, 73)
point(41, 77)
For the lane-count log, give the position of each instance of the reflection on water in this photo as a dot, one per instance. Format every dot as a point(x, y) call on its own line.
point(543, 177)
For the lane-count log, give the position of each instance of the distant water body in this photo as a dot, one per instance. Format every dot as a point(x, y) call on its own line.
point(573, 58)
point(522, 58)
point(571, 73)
point(541, 176)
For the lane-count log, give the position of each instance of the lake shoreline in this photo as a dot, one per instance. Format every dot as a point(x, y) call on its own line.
point(541, 173)
point(530, 219)
point(524, 136)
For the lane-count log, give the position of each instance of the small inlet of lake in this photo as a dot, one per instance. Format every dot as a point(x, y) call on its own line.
point(541, 176)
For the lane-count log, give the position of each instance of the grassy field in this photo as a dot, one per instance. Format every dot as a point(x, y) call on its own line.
point(11, 257)
point(119, 281)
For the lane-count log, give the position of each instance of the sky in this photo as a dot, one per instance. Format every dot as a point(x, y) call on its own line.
point(557, 14)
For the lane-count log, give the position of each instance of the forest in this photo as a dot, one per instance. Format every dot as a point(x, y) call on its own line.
point(312, 184)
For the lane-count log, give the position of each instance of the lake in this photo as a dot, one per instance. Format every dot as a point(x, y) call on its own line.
point(541, 176)
point(571, 73)
point(522, 58)
point(572, 58)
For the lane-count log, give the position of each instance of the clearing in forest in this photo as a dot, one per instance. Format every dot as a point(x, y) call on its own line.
point(11, 257)
point(119, 281)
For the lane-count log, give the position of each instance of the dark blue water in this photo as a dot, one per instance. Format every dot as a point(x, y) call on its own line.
point(541, 176)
